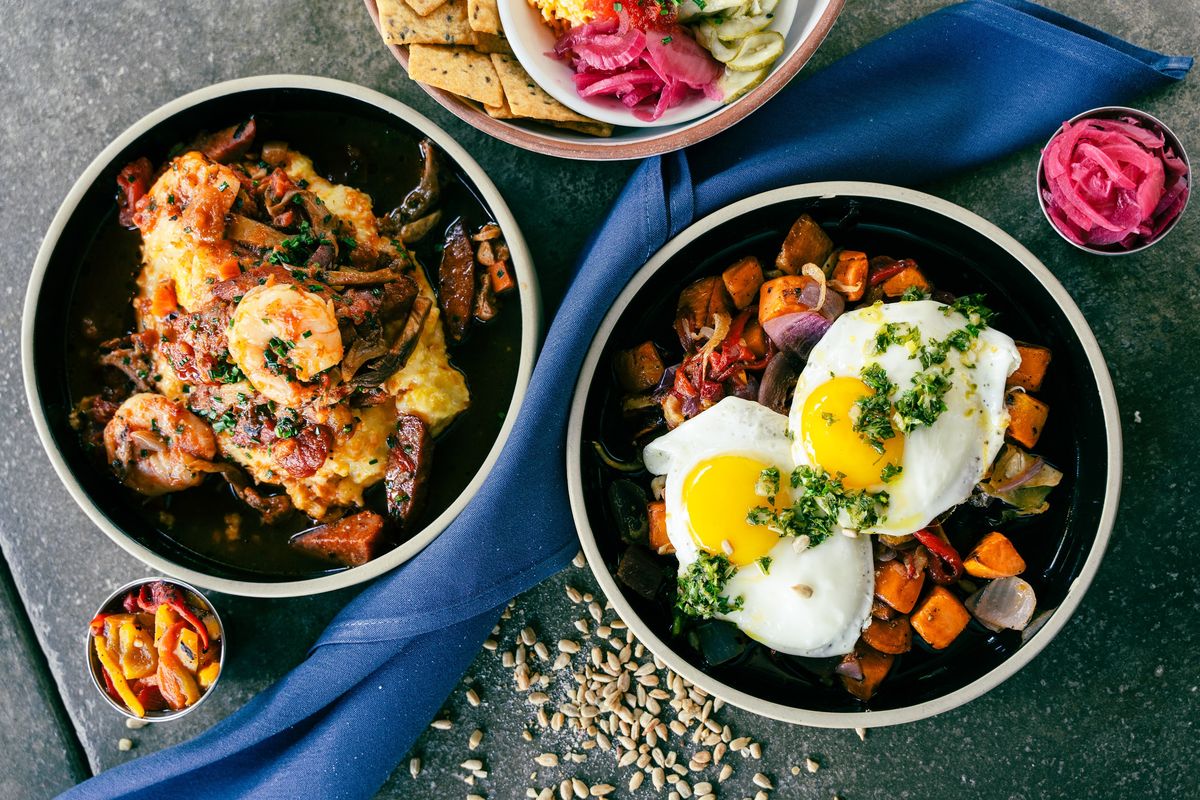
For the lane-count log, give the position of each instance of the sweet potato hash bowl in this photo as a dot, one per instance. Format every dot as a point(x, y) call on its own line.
point(276, 335)
point(845, 455)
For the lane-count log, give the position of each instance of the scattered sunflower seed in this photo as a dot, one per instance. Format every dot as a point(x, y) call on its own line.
point(124, 745)
point(414, 767)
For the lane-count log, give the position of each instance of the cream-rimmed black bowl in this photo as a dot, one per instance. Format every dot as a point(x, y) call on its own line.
point(962, 252)
point(45, 338)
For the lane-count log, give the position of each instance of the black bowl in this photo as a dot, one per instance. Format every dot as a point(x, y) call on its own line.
point(354, 135)
point(962, 254)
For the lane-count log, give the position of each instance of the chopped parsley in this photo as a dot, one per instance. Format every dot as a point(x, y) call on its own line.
point(874, 411)
point(889, 472)
point(768, 484)
point(698, 589)
point(764, 564)
point(817, 506)
point(978, 315)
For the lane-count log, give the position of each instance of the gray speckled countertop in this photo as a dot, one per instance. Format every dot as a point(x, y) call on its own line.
point(1108, 710)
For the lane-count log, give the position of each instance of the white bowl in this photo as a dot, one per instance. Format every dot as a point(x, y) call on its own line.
point(532, 41)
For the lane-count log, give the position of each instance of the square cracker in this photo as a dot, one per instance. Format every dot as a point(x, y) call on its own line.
point(483, 16)
point(602, 129)
point(492, 43)
point(423, 7)
point(527, 99)
point(446, 25)
point(460, 70)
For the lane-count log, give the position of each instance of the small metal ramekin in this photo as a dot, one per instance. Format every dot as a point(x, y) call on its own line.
point(93, 662)
point(1108, 112)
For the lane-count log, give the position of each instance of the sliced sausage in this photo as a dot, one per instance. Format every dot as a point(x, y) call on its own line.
point(408, 469)
point(456, 282)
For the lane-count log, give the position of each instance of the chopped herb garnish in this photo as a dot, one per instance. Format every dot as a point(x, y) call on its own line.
point(698, 589)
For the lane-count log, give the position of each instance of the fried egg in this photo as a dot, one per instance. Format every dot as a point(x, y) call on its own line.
point(933, 466)
point(812, 602)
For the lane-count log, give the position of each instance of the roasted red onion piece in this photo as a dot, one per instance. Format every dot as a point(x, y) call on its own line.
point(778, 379)
point(1005, 603)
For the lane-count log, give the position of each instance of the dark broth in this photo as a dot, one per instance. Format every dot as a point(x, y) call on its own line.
point(382, 160)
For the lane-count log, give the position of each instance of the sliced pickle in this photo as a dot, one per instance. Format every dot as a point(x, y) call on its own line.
point(690, 10)
point(734, 28)
point(706, 35)
point(758, 51)
point(735, 84)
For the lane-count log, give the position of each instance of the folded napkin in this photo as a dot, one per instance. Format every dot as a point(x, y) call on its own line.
point(953, 90)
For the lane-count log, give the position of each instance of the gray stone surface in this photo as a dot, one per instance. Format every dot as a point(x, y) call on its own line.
point(1109, 710)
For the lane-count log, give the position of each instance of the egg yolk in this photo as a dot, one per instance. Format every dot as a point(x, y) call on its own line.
point(718, 494)
point(827, 430)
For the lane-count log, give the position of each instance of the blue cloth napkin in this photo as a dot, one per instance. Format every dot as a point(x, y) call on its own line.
point(953, 90)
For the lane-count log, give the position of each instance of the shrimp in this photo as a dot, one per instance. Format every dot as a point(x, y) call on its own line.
point(156, 446)
point(282, 336)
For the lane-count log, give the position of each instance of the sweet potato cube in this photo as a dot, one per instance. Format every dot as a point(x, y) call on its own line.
point(639, 369)
point(806, 243)
point(892, 636)
point(940, 618)
point(659, 542)
point(850, 274)
point(904, 280)
point(1030, 373)
point(894, 587)
point(743, 280)
point(881, 610)
point(994, 557)
point(875, 666)
point(784, 295)
point(755, 336)
point(1027, 416)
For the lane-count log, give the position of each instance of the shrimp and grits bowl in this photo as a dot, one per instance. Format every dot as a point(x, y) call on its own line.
point(274, 331)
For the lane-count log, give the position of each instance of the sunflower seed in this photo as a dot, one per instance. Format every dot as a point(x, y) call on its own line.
point(441, 724)
point(579, 560)
point(539, 698)
point(726, 771)
point(473, 697)
point(581, 788)
point(862, 734)
point(602, 789)
point(472, 764)
point(414, 767)
point(811, 764)
point(635, 781)
point(547, 760)
point(528, 637)
point(762, 781)
point(490, 644)
point(476, 738)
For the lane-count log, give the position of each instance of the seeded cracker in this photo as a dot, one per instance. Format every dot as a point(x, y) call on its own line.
point(423, 7)
point(447, 25)
point(492, 43)
point(458, 70)
point(527, 99)
point(483, 16)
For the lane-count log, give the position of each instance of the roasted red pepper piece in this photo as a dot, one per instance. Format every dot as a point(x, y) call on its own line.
point(133, 181)
point(152, 595)
point(946, 565)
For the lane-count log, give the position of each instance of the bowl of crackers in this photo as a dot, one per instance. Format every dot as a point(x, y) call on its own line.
point(461, 54)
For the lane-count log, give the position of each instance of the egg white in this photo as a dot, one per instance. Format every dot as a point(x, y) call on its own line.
point(774, 611)
point(943, 462)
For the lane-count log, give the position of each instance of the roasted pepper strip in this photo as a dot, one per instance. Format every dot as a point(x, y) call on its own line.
point(113, 671)
point(177, 685)
point(159, 593)
point(946, 566)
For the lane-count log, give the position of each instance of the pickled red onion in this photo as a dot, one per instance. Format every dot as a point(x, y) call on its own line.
point(1112, 183)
